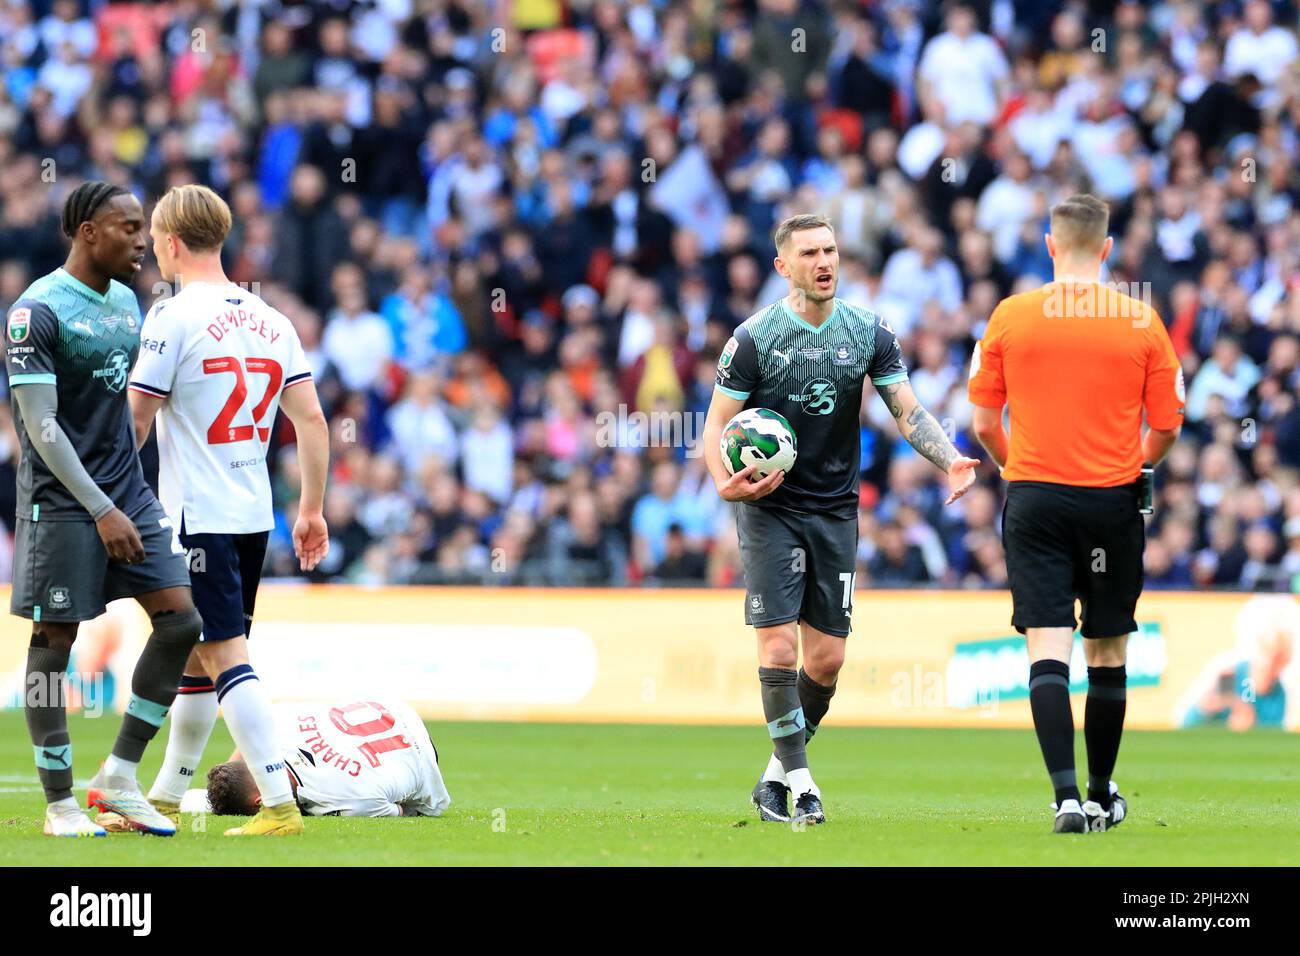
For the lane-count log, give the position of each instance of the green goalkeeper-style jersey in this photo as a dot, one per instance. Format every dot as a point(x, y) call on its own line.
point(814, 377)
point(63, 333)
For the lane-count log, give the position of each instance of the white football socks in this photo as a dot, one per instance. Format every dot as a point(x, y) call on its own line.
point(122, 769)
point(801, 782)
point(251, 721)
point(775, 772)
point(193, 716)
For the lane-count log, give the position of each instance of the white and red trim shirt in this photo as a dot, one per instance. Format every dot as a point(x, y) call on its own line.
point(221, 358)
point(372, 757)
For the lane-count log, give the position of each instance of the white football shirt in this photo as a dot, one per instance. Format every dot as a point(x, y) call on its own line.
point(220, 357)
point(365, 758)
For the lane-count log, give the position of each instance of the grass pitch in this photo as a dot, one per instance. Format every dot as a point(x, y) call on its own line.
point(543, 794)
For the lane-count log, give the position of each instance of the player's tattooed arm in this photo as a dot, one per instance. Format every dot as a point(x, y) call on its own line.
point(924, 434)
point(917, 425)
point(929, 439)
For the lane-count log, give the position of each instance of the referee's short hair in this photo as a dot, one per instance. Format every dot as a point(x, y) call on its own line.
point(195, 214)
point(1080, 223)
point(795, 224)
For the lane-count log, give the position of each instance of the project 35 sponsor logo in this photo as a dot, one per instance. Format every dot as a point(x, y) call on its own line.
point(115, 369)
point(816, 397)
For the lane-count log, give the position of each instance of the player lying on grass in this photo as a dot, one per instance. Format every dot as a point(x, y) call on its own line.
point(367, 758)
point(89, 529)
point(217, 362)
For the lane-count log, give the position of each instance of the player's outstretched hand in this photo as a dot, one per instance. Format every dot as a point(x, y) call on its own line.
point(311, 540)
point(961, 475)
point(121, 538)
point(741, 487)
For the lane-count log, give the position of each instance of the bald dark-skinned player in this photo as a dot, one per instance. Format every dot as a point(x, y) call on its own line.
point(89, 528)
point(1080, 365)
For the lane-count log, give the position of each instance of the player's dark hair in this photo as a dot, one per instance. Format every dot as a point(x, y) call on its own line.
point(84, 202)
point(231, 789)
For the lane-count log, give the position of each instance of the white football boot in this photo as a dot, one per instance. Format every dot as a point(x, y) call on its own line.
point(121, 795)
point(65, 819)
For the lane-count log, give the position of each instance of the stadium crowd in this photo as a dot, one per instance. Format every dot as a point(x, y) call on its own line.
point(514, 238)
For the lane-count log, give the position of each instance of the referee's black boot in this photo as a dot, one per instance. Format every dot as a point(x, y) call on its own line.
point(772, 799)
point(808, 809)
point(1070, 818)
point(1100, 819)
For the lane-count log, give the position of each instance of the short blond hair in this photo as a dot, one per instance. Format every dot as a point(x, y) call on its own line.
point(801, 223)
point(195, 215)
point(1080, 223)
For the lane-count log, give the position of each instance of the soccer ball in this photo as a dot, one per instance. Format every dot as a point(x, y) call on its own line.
point(761, 437)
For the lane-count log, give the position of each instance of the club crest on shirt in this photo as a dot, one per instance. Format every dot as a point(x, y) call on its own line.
point(20, 323)
point(843, 355)
point(60, 598)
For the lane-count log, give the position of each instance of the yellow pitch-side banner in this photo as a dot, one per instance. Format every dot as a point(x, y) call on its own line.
point(916, 658)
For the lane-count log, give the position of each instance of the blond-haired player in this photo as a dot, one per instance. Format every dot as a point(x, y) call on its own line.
point(215, 362)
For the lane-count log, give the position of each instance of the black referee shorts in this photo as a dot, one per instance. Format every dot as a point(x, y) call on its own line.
point(1065, 543)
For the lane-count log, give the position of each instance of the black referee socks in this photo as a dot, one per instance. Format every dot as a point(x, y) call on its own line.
point(1103, 725)
point(1049, 700)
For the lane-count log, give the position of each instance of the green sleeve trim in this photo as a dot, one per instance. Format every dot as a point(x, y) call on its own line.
point(732, 393)
point(890, 379)
point(33, 378)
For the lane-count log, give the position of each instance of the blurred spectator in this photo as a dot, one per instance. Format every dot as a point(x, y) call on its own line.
point(896, 563)
point(1258, 47)
point(666, 505)
point(966, 69)
point(357, 341)
point(420, 427)
point(487, 452)
point(1228, 375)
point(680, 565)
point(916, 276)
point(310, 238)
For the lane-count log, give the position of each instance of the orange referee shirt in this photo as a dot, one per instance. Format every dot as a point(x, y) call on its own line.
point(1077, 362)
